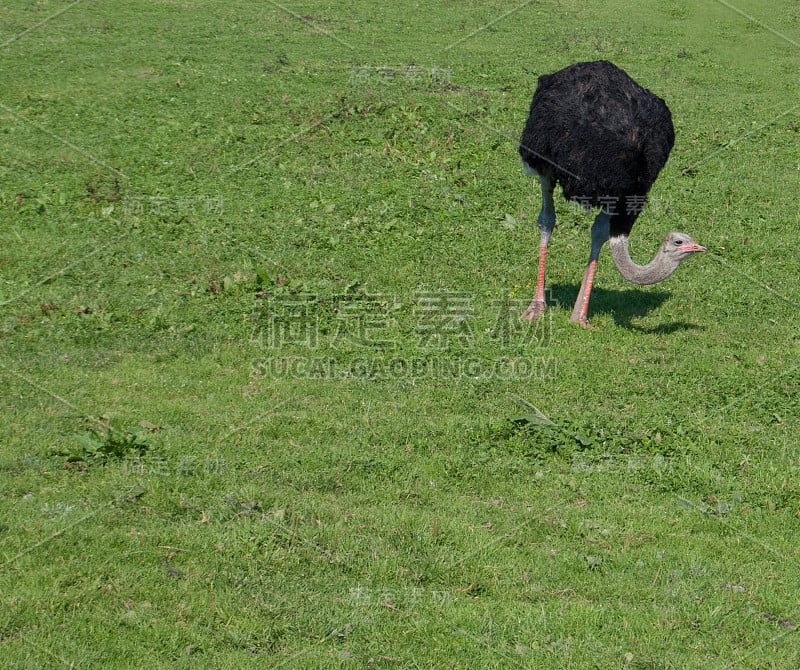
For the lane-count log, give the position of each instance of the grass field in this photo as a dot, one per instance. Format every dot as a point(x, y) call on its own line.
point(266, 399)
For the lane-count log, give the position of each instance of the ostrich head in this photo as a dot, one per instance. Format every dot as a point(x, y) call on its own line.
point(679, 246)
point(674, 249)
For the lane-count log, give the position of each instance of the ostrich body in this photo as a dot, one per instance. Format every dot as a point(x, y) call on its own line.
point(604, 138)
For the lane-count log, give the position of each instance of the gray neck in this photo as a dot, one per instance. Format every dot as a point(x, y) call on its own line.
point(661, 267)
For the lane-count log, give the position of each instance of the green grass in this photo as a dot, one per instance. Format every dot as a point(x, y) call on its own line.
point(266, 399)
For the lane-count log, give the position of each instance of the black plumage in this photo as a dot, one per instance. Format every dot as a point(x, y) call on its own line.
point(599, 134)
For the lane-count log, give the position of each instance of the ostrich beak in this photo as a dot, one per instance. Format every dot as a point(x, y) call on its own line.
point(691, 248)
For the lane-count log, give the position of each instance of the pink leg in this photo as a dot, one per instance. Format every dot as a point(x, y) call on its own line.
point(599, 238)
point(546, 222)
point(538, 304)
point(582, 303)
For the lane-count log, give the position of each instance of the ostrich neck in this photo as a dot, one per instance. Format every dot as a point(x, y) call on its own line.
point(661, 267)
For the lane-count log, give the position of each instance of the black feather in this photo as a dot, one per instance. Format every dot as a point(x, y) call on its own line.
point(601, 135)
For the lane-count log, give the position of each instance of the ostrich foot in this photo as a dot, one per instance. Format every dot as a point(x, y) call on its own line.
point(581, 321)
point(536, 309)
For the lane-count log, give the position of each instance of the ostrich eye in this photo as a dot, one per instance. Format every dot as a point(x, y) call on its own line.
point(678, 242)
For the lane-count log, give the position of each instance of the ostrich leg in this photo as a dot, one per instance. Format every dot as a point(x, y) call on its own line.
point(600, 230)
point(546, 223)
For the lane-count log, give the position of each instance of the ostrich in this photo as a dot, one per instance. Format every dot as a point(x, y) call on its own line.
point(604, 138)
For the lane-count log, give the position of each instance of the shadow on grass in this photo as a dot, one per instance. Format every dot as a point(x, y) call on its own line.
point(624, 306)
